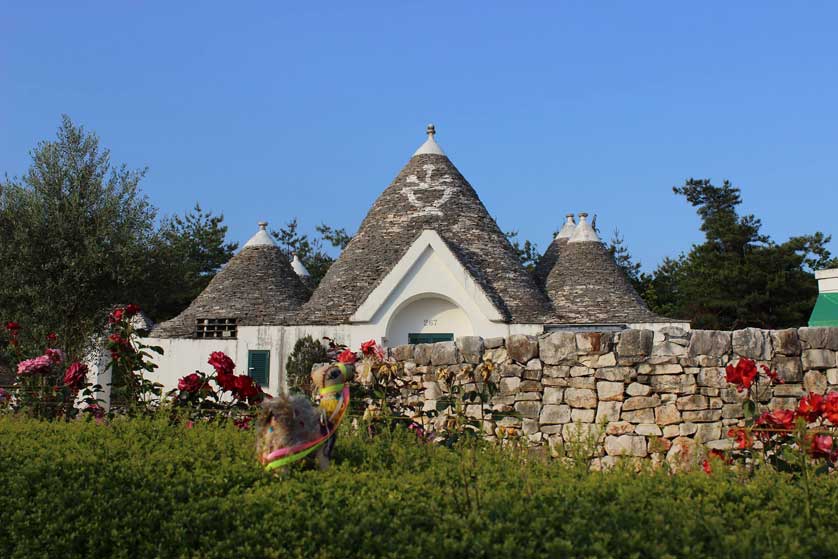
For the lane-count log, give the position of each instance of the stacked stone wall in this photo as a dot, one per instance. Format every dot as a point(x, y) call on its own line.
point(643, 393)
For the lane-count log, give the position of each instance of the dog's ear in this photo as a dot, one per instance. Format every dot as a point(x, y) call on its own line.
point(318, 376)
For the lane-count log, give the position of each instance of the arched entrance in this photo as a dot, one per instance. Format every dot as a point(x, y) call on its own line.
point(427, 318)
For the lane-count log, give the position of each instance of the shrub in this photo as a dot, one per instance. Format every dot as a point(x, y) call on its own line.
point(307, 353)
point(144, 487)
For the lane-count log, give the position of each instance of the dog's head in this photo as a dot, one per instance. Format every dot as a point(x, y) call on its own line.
point(285, 421)
point(330, 375)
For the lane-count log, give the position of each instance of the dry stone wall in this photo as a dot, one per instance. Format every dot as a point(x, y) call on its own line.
point(643, 394)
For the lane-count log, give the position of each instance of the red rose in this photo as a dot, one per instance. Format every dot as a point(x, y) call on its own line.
point(191, 383)
point(55, 355)
point(221, 363)
point(116, 315)
point(743, 374)
point(75, 375)
point(772, 375)
point(131, 310)
point(227, 381)
point(743, 439)
point(347, 356)
point(368, 348)
point(777, 419)
point(52, 337)
point(12, 327)
point(811, 407)
point(830, 407)
point(245, 387)
point(821, 446)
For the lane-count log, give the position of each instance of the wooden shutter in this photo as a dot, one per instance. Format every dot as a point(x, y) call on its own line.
point(258, 366)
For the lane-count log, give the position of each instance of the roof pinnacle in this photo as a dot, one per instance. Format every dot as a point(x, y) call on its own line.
point(430, 147)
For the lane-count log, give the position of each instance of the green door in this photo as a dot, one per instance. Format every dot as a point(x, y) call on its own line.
point(429, 338)
point(258, 365)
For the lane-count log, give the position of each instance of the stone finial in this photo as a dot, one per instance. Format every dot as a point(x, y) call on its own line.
point(263, 225)
point(584, 231)
point(430, 147)
point(261, 238)
point(567, 229)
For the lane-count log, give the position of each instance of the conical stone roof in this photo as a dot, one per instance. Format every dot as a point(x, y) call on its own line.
point(548, 260)
point(257, 287)
point(428, 193)
point(587, 287)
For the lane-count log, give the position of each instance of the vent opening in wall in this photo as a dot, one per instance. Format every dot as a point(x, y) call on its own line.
point(216, 328)
point(258, 366)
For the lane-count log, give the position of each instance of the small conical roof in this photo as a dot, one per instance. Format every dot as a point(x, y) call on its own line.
point(428, 193)
point(587, 286)
point(256, 287)
point(551, 255)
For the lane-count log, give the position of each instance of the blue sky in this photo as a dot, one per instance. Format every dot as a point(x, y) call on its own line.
point(277, 110)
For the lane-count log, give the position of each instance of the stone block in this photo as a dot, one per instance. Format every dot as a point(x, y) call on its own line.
point(691, 403)
point(522, 348)
point(648, 430)
point(534, 365)
point(496, 355)
point(645, 415)
point(814, 381)
point(422, 353)
point(678, 384)
point(683, 454)
point(641, 402)
point(580, 398)
point(819, 338)
point(818, 359)
point(493, 343)
point(580, 432)
point(552, 395)
point(711, 376)
point(832, 376)
point(621, 374)
point(688, 429)
point(708, 432)
point(593, 342)
point(528, 409)
point(432, 391)
point(635, 343)
point(669, 349)
point(581, 371)
point(510, 369)
point(610, 391)
point(403, 352)
point(625, 445)
point(471, 348)
point(619, 428)
point(530, 386)
point(667, 414)
point(671, 431)
point(444, 353)
point(530, 426)
point(637, 389)
point(578, 415)
point(561, 371)
point(783, 403)
point(789, 390)
point(674, 332)
point(557, 348)
point(732, 411)
point(701, 416)
point(608, 411)
point(532, 374)
point(661, 369)
point(751, 343)
point(785, 342)
point(713, 343)
point(588, 383)
point(554, 414)
point(528, 396)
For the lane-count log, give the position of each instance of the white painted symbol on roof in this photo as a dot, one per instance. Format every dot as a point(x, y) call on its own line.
point(429, 185)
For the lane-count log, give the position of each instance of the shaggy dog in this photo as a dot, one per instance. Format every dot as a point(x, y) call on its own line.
point(288, 421)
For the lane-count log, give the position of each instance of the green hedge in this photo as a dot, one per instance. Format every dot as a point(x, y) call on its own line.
point(143, 488)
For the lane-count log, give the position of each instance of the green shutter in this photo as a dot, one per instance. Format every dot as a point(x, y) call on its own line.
point(825, 312)
point(429, 338)
point(258, 366)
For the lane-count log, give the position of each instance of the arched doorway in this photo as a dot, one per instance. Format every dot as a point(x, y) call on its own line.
point(427, 318)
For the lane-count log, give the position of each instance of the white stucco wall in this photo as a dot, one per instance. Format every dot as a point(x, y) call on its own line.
point(827, 280)
point(427, 314)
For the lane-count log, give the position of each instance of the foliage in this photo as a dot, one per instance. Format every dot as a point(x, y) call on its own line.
point(73, 224)
point(527, 251)
point(48, 386)
point(150, 488)
point(188, 252)
point(77, 224)
point(311, 251)
point(738, 276)
point(307, 352)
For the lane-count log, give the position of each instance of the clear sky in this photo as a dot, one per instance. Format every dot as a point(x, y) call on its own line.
point(271, 110)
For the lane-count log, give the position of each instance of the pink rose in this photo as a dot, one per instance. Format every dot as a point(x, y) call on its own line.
point(75, 375)
point(37, 366)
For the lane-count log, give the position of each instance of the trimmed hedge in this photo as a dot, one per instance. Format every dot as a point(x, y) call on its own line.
point(144, 488)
